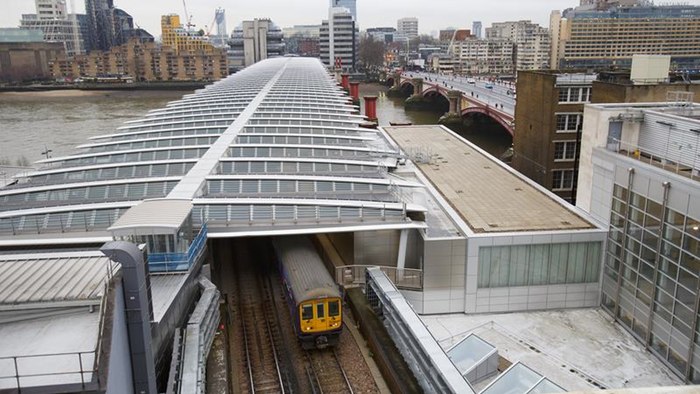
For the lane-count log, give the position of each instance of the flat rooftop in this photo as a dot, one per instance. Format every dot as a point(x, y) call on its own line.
point(486, 194)
point(49, 346)
point(579, 350)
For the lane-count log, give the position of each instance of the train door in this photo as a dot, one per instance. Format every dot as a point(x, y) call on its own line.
point(328, 314)
point(321, 315)
point(334, 315)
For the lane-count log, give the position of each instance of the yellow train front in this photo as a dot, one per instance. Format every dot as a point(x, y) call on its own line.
point(315, 302)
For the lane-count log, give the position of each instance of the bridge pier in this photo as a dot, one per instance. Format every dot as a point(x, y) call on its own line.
point(417, 102)
point(454, 116)
point(371, 108)
point(417, 86)
point(455, 98)
point(355, 92)
point(395, 90)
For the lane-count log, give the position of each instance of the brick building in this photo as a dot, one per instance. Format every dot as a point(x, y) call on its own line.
point(145, 62)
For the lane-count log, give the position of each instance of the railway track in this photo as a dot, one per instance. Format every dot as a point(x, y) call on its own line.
point(326, 374)
point(259, 337)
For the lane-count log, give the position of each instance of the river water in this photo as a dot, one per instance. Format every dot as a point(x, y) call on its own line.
point(61, 120)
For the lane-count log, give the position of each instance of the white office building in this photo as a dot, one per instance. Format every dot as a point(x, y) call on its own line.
point(349, 4)
point(338, 42)
point(639, 175)
point(407, 28)
point(253, 41)
point(532, 42)
point(58, 26)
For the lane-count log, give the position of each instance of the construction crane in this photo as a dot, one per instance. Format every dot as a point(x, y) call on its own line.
point(188, 17)
point(207, 30)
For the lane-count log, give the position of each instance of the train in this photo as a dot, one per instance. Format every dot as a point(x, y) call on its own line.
point(315, 301)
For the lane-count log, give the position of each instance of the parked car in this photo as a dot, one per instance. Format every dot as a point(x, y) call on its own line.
point(489, 86)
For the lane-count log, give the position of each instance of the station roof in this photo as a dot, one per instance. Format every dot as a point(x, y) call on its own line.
point(153, 216)
point(239, 150)
point(47, 280)
point(486, 194)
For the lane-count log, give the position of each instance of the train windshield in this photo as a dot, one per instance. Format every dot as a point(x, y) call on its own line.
point(320, 311)
point(333, 308)
point(307, 312)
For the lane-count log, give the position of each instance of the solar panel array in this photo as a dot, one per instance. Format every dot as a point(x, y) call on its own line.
point(300, 155)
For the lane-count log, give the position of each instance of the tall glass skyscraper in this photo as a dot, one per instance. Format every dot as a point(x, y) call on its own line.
point(349, 4)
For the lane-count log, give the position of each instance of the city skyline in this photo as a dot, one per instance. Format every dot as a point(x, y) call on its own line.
point(370, 14)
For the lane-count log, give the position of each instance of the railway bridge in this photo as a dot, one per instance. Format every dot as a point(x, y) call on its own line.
point(106, 254)
point(466, 96)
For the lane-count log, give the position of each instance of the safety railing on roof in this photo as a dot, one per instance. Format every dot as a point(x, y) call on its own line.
point(169, 262)
point(431, 366)
point(196, 342)
point(356, 275)
point(76, 370)
point(669, 162)
point(272, 214)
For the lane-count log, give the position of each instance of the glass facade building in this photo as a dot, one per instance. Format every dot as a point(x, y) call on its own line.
point(639, 173)
point(650, 281)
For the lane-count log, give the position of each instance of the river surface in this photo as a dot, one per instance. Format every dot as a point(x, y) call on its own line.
point(61, 120)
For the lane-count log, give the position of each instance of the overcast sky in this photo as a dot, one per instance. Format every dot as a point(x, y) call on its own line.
point(432, 15)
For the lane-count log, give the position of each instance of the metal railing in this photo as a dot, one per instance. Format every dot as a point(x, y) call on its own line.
point(167, 262)
point(76, 368)
point(196, 342)
point(429, 363)
point(665, 162)
point(403, 278)
point(275, 214)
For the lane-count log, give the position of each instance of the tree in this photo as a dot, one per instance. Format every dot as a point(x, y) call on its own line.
point(371, 52)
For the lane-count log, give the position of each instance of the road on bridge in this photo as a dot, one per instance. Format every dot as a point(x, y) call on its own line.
point(496, 96)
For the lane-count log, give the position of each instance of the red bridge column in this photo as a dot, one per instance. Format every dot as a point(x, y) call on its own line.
point(345, 81)
point(355, 91)
point(371, 108)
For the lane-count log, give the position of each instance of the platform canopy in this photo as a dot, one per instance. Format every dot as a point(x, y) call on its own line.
point(158, 216)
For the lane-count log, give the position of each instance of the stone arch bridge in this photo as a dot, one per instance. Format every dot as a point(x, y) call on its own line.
point(463, 101)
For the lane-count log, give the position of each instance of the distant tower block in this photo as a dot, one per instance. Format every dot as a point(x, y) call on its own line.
point(220, 18)
point(476, 29)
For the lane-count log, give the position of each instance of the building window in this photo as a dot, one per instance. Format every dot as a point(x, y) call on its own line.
point(562, 179)
point(539, 265)
point(568, 123)
point(576, 94)
point(656, 253)
point(564, 150)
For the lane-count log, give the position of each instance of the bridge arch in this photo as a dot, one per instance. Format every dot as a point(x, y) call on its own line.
point(407, 87)
point(490, 113)
point(434, 90)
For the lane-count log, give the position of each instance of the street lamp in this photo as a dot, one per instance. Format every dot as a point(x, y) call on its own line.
point(47, 152)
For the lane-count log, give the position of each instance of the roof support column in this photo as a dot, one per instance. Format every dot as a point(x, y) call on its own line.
point(401, 260)
point(139, 312)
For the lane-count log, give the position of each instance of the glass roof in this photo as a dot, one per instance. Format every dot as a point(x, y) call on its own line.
point(283, 117)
